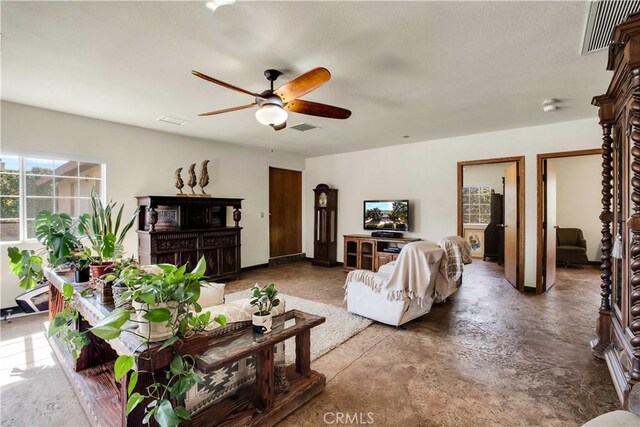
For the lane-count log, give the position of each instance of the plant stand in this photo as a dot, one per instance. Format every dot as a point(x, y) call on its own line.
point(104, 400)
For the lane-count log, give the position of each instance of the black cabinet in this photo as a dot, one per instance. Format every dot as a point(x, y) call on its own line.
point(181, 230)
point(494, 233)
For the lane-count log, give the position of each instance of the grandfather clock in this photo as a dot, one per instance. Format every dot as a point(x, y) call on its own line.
point(325, 228)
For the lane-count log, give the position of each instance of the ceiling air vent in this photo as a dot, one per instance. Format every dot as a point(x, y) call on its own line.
point(603, 16)
point(303, 127)
point(172, 120)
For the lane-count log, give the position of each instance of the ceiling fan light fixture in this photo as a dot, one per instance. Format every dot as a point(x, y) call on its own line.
point(271, 115)
point(213, 5)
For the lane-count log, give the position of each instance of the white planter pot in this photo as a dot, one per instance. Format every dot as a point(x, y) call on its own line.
point(156, 331)
point(262, 324)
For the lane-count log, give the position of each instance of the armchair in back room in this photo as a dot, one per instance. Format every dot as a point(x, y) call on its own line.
point(571, 246)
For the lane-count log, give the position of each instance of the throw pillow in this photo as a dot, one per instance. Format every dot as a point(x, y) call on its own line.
point(211, 294)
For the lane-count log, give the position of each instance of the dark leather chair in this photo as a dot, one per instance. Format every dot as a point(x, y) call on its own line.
point(571, 247)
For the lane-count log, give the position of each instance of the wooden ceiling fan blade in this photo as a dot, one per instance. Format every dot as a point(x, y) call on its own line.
point(317, 109)
point(227, 110)
point(303, 84)
point(224, 84)
point(279, 127)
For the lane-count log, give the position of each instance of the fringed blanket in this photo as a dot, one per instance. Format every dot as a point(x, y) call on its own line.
point(420, 274)
point(458, 254)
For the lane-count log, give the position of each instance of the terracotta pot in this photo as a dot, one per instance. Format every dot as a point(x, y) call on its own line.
point(98, 270)
point(262, 324)
point(156, 331)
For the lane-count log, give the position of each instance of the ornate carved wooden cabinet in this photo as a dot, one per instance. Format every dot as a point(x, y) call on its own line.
point(618, 326)
point(180, 230)
point(325, 227)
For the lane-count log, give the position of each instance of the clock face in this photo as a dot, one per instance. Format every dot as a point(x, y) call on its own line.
point(322, 200)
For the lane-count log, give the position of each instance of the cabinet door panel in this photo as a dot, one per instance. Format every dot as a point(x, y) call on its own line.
point(189, 258)
point(171, 258)
point(229, 260)
point(212, 257)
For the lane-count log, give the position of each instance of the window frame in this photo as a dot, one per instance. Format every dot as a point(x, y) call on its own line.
point(22, 187)
point(480, 187)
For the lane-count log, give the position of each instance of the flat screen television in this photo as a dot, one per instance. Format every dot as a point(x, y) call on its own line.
point(386, 215)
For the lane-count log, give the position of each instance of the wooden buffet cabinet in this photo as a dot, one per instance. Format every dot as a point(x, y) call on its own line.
point(618, 325)
point(180, 230)
point(364, 252)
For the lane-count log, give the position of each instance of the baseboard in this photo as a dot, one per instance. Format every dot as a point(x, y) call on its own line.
point(254, 267)
point(335, 264)
point(288, 259)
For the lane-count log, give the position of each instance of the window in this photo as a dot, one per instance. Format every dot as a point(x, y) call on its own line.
point(29, 185)
point(476, 204)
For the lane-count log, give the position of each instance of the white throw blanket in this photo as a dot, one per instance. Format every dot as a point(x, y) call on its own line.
point(420, 274)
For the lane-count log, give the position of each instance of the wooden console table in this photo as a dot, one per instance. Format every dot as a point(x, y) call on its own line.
point(364, 252)
point(104, 400)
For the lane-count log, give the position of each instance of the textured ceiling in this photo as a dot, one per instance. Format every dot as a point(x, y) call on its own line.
point(424, 69)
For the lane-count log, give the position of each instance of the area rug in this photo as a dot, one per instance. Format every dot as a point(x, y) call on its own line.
point(338, 328)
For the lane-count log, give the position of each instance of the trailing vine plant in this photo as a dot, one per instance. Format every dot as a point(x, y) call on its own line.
point(169, 284)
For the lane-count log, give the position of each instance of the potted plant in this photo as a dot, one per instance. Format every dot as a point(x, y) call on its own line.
point(162, 297)
point(105, 234)
point(264, 299)
point(81, 259)
point(114, 280)
point(58, 234)
point(168, 283)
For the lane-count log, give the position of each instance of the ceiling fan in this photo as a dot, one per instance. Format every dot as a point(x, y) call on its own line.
point(274, 104)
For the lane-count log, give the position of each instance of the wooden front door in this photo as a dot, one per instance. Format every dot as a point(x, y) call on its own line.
point(550, 224)
point(511, 224)
point(285, 212)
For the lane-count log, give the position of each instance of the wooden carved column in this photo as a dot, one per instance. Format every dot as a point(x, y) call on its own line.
point(603, 326)
point(634, 225)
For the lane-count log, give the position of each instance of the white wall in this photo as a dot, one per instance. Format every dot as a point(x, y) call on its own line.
point(425, 173)
point(491, 174)
point(578, 192)
point(141, 162)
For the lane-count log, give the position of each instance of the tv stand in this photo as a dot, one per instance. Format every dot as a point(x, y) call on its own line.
point(364, 252)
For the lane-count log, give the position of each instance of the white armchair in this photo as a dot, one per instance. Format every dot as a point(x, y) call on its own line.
point(405, 289)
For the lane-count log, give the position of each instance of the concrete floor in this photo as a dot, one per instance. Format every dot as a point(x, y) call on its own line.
point(489, 356)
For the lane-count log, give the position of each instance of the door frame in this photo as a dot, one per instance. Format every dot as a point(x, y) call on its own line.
point(540, 288)
point(521, 181)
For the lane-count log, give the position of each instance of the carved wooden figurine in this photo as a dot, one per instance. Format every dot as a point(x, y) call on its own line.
point(192, 177)
point(179, 182)
point(203, 181)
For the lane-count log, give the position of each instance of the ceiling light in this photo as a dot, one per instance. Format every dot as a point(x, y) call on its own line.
point(213, 5)
point(271, 115)
point(549, 105)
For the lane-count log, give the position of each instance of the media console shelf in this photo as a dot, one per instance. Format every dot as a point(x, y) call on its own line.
point(364, 252)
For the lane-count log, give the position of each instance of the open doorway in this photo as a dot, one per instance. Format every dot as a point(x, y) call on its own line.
point(491, 212)
point(568, 212)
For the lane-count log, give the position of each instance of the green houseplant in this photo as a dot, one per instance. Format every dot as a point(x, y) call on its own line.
point(81, 260)
point(59, 236)
point(264, 299)
point(165, 307)
point(105, 233)
point(166, 283)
